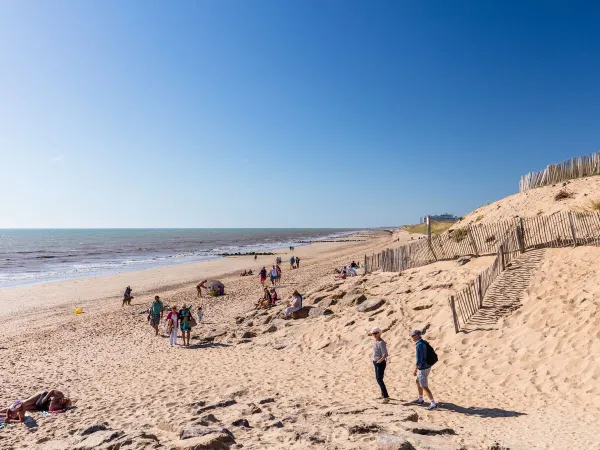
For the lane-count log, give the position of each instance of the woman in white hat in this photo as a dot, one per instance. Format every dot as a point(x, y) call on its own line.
point(380, 356)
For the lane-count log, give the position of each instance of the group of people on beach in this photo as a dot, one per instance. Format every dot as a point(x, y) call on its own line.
point(177, 319)
point(425, 359)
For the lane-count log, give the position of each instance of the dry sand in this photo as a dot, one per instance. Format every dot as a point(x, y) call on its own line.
point(525, 374)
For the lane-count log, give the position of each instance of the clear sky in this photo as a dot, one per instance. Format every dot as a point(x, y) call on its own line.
point(286, 113)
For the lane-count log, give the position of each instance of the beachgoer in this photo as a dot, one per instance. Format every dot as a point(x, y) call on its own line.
point(278, 273)
point(127, 296)
point(343, 274)
point(380, 356)
point(53, 401)
point(274, 297)
point(422, 369)
point(185, 317)
point(172, 322)
point(250, 272)
point(244, 273)
point(201, 285)
point(295, 304)
point(255, 256)
point(292, 262)
point(200, 314)
point(297, 262)
point(265, 301)
point(351, 271)
point(273, 275)
point(263, 275)
point(156, 314)
point(353, 265)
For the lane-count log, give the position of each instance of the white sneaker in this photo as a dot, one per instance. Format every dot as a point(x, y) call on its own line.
point(432, 405)
point(385, 400)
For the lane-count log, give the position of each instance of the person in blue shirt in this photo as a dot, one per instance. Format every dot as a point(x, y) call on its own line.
point(422, 369)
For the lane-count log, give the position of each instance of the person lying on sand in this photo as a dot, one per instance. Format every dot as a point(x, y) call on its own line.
point(244, 273)
point(53, 401)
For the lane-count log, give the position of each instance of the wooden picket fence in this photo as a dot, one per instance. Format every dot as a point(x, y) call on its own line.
point(582, 166)
point(476, 240)
point(557, 230)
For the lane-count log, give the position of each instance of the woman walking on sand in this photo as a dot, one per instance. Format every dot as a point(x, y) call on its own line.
point(380, 356)
point(185, 317)
point(172, 322)
point(263, 275)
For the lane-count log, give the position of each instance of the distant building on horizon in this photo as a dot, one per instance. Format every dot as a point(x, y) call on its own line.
point(440, 218)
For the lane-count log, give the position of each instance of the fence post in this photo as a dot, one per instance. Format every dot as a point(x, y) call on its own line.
point(472, 240)
point(365, 264)
point(520, 238)
point(502, 257)
point(454, 316)
point(479, 290)
point(572, 222)
point(428, 221)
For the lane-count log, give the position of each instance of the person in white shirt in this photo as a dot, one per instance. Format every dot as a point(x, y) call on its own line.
point(294, 305)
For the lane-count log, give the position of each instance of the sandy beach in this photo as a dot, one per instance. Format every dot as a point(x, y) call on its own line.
point(252, 380)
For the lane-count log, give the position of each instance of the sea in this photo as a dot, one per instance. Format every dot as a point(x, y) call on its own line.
point(43, 255)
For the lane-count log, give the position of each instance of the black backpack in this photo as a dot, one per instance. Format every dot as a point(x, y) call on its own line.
point(430, 356)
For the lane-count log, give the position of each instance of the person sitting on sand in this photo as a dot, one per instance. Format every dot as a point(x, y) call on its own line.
point(265, 301)
point(343, 274)
point(201, 285)
point(53, 401)
point(295, 304)
point(250, 272)
point(244, 273)
point(127, 297)
point(353, 265)
point(274, 297)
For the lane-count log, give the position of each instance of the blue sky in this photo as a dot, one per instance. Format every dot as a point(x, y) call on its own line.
point(285, 113)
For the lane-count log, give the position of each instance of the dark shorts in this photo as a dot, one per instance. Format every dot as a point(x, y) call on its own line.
point(155, 320)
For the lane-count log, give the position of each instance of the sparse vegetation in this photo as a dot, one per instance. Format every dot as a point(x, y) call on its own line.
point(436, 228)
point(563, 194)
point(490, 238)
point(479, 218)
point(594, 205)
point(458, 235)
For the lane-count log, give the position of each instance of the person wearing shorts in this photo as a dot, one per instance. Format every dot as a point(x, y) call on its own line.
point(156, 313)
point(422, 370)
point(263, 275)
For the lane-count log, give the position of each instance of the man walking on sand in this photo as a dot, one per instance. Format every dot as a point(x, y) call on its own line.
point(156, 313)
point(422, 368)
point(380, 356)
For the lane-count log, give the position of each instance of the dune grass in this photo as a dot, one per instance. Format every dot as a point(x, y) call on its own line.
point(436, 228)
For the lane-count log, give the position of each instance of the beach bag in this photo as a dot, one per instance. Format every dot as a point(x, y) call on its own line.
point(430, 356)
point(170, 326)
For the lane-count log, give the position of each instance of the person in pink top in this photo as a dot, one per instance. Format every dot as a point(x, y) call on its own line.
point(172, 325)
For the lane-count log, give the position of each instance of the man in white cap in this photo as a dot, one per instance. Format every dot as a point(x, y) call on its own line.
point(422, 369)
point(380, 356)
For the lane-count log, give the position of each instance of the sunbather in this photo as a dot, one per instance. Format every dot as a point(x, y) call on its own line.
point(53, 401)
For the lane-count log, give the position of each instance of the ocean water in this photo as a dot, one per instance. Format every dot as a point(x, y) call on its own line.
point(32, 256)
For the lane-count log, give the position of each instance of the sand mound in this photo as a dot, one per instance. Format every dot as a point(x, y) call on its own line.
point(540, 201)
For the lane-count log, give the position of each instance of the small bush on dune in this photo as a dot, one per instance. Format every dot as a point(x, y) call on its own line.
point(458, 235)
point(563, 194)
point(594, 205)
